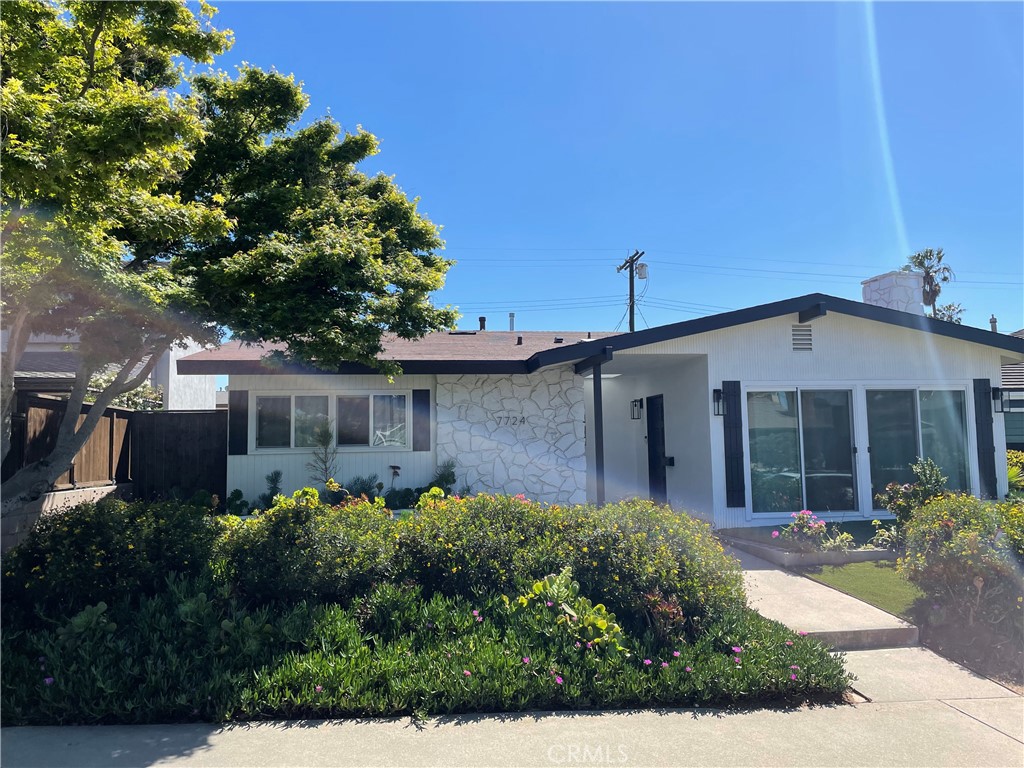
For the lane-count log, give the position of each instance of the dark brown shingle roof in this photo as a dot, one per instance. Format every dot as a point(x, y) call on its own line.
point(472, 351)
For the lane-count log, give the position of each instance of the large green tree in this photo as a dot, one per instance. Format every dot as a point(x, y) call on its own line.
point(141, 207)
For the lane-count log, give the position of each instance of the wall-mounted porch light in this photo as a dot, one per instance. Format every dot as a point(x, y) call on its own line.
point(997, 399)
point(636, 409)
point(716, 395)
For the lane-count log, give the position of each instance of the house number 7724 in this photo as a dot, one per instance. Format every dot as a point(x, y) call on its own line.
point(509, 421)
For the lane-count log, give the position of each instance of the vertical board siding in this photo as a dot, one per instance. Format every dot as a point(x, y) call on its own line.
point(732, 424)
point(986, 441)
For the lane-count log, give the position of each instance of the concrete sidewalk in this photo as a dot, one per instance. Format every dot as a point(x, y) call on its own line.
point(958, 732)
point(835, 618)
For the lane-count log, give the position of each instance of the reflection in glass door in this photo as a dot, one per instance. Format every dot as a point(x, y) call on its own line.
point(801, 450)
point(892, 436)
point(826, 418)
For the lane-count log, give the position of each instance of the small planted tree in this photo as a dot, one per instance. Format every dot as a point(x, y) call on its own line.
point(323, 464)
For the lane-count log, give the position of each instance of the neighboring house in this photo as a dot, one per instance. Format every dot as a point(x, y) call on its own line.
point(49, 363)
point(823, 401)
point(1013, 401)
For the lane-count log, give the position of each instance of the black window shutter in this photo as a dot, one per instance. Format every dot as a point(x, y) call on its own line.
point(238, 422)
point(421, 419)
point(985, 442)
point(732, 423)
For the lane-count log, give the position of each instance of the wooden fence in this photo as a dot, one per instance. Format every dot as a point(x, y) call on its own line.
point(179, 453)
point(162, 453)
point(105, 459)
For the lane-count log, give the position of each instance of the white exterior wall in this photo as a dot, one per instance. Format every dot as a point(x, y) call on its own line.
point(849, 353)
point(183, 392)
point(248, 472)
point(515, 433)
point(684, 387)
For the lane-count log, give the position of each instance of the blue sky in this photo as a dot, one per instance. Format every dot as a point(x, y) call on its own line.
point(754, 151)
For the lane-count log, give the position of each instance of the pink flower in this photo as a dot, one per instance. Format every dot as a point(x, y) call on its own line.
point(558, 680)
point(664, 664)
point(526, 659)
point(48, 680)
point(789, 642)
point(689, 669)
point(479, 618)
point(802, 633)
point(676, 654)
point(775, 534)
point(590, 645)
point(549, 603)
point(476, 613)
point(647, 662)
point(794, 667)
point(736, 659)
point(578, 644)
point(792, 677)
point(466, 672)
point(319, 688)
point(737, 649)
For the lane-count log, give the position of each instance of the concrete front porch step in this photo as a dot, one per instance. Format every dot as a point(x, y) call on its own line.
point(873, 639)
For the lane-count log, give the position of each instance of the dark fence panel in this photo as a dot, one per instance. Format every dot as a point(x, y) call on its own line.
point(179, 452)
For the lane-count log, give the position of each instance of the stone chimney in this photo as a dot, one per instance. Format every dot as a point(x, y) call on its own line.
point(895, 290)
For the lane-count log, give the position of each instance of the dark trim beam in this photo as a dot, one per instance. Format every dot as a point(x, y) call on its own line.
point(813, 311)
point(598, 438)
point(594, 361)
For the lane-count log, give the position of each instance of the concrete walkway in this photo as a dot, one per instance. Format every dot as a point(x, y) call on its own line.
point(835, 618)
point(913, 708)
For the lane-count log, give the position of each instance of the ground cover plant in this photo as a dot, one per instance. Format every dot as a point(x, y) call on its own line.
point(307, 610)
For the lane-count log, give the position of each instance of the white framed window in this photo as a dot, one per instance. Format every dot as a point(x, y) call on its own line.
point(802, 450)
point(358, 420)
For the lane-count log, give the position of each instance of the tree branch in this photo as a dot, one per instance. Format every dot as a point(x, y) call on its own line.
point(90, 49)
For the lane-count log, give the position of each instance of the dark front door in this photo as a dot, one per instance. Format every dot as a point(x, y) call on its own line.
point(656, 448)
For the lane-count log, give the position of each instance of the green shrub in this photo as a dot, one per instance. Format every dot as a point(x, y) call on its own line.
point(367, 486)
point(105, 551)
point(300, 548)
point(620, 552)
point(1015, 472)
point(967, 555)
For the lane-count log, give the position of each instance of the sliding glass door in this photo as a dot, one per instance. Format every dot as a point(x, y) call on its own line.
point(906, 424)
point(801, 450)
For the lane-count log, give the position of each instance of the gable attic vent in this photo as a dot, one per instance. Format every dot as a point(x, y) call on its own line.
point(802, 341)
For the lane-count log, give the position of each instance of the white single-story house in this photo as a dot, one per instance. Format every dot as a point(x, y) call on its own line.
point(742, 418)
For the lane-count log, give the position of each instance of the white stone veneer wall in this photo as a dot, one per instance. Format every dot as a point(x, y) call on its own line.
point(515, 434)
point(895, 290)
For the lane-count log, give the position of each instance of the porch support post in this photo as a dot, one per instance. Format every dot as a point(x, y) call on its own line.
point(598, 438)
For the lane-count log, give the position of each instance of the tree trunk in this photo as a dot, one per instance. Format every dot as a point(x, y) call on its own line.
point(18, 331)
point(31, 482)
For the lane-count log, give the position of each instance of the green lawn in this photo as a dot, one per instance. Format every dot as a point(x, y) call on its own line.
point(876, 583)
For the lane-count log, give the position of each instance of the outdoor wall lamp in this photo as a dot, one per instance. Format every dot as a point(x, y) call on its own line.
point(997, 399)
point(716, 395)
point(636, 409)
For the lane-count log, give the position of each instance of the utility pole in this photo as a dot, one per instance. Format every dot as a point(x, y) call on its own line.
point(630, 264)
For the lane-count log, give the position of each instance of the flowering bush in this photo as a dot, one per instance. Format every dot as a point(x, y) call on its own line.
point(805, 533)
point(902, 500)
point(311, 610)
point(967, 554)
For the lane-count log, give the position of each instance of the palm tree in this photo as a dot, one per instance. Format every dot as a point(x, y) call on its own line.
point(935, 274)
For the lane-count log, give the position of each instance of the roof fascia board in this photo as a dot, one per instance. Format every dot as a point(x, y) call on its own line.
point(260, 368)
point(798, 305)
